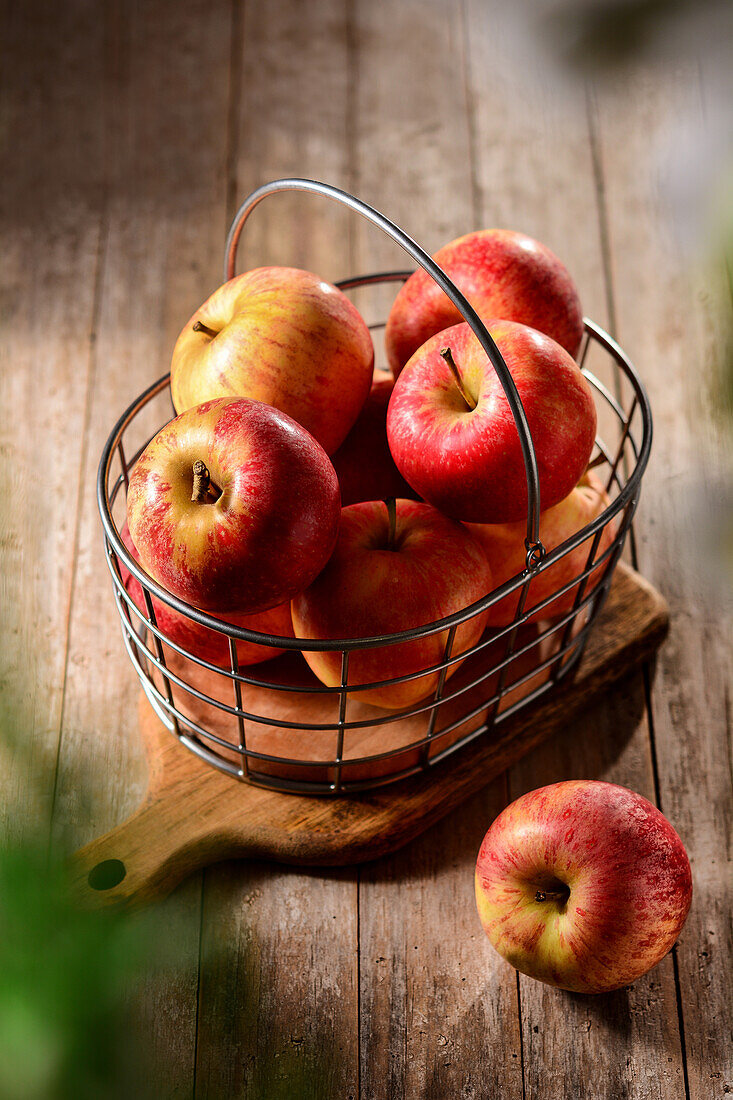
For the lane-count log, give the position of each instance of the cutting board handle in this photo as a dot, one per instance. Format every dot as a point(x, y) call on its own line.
point(137, 860)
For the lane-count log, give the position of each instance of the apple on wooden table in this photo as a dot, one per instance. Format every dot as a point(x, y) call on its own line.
point(503, 545)
point(282, 336)
point(233, 507)
point(201, 641)
point(583, 885)
point(452, 433)
point(503, 274)
point(396, 566)
point(363, 463)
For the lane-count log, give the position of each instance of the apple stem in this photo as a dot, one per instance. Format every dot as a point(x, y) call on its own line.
point(552, 895)
point(200, 482)
point(448, 356)
point(391, 505)
point(200, 327)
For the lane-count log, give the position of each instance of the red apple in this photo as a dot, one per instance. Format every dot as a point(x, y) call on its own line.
point(254, 527)
point(453, 436)
point(363, 463)
point(282, 336)
point(503, 545)
point(503, 274)
point(199, 640)
point(583, 885)
point(384, 578)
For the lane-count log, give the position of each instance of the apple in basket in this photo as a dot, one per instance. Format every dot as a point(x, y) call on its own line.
point(453, 436)
point(503, 274)
point(584, 885)
point(233, 507)
point(396, 566)
point(282, 336)
point(199, 640)
point(503, 545)
point(363, 463)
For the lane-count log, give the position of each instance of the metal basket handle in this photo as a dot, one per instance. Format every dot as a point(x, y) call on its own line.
point(535, 549)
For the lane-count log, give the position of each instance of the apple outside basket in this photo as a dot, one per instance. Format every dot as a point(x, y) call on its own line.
point(274, 724)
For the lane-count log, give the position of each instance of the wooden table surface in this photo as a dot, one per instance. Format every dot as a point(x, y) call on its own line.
point(132, 131)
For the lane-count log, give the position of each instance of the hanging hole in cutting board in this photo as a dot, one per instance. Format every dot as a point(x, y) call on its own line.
point(108, 873)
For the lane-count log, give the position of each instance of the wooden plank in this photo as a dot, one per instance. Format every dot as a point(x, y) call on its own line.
point(294, 943)
point(415, 170)
point(438, 1006)
point(278, 984)
point(163, 253)
point(632, 1033)
point(292, 119)
point(538, 172)
point(163, 109)
point(533, 167)
point(667, 316)
point(50, 218)
point(436, 1014)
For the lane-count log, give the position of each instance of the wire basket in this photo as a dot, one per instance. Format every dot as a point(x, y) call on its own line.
point(272, 723)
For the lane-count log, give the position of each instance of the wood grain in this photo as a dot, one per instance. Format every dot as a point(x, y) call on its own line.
point(439, 1009)
point(261, 1035)
point(525, 142)
point(427, 1028)
point(416, 170)
point(670, 322)
point(51, 225)
point(291, 66)
point(160, 106)
point(158, 244)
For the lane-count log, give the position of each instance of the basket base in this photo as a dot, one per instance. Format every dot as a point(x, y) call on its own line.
point(194, 815)
point(389, 748)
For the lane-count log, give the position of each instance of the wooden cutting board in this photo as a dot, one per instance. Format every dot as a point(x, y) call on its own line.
point(194, 815)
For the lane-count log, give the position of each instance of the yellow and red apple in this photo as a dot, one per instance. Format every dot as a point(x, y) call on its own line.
point(583, 885)
point(503, 274)
point(233, 507)
point(451, 430)
point(282, 336)
point(503, 545)
point(389, 574)
point(201, 641)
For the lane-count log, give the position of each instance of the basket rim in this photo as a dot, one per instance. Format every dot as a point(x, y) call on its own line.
point(114, 542)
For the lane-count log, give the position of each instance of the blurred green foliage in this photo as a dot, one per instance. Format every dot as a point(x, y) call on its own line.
point(67, 980)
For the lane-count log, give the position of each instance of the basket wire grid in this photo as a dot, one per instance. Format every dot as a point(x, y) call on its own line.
point(503, 666)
